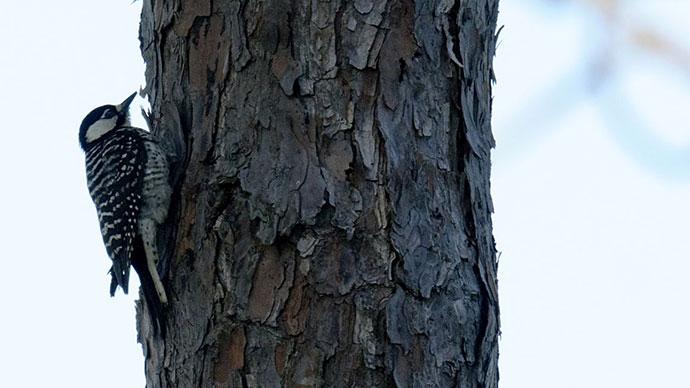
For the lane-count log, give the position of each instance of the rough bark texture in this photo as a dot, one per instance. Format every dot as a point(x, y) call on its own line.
point(332, 192)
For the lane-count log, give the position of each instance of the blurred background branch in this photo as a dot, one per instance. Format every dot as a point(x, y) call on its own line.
point(631, 59)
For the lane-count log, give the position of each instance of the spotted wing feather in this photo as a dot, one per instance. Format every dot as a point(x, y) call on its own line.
point(114, 171)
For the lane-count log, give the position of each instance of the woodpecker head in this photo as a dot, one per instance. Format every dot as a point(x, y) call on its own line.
point(102, 120)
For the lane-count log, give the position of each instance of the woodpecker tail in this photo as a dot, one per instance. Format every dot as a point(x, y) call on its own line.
point(120, 277)
point(148, 288)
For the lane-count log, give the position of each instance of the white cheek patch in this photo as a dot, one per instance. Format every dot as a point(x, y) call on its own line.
point(100, 128)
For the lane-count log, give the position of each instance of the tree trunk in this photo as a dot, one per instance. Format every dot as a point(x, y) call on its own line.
point(332, 200)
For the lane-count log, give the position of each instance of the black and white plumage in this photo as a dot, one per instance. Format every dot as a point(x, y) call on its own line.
point(127, 176)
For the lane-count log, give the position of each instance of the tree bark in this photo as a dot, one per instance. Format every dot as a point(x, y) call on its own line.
point(332, 205)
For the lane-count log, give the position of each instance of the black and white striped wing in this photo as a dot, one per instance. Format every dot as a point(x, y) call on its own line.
point(114, 172)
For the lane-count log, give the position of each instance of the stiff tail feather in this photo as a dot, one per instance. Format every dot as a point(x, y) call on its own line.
point(153, 303)
point(119, 277)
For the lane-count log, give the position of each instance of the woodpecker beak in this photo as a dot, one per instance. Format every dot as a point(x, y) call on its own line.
point(124, 107)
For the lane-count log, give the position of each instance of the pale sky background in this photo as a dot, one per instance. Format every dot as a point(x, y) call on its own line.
point(591, 186)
